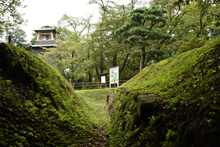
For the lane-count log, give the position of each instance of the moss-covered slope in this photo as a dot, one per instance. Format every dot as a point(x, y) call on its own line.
point(188, 114)
point(37, 105)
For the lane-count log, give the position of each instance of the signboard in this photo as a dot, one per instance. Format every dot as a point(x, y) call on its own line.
point(103, 80)
point(114, 76)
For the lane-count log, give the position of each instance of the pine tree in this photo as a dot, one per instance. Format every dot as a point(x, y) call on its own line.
point(140, 29)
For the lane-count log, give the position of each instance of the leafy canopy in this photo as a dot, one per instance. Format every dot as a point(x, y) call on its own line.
point(9, 16)
point(139, 28)
point(143, 27)
point(18, 37)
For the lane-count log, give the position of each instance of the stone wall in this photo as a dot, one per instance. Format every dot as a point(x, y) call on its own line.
point(129, 109)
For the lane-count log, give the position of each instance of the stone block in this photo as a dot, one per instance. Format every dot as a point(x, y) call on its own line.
point(133, 121)
point(135, 95)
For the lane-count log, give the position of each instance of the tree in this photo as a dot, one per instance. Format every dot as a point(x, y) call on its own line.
point(70, 54)
point(174, 25)
point(76, 24)
point(139, 29)
point(9, 16)
point(18, 37)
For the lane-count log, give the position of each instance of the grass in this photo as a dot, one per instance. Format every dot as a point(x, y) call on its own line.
point(96, 101)
point(167, 74)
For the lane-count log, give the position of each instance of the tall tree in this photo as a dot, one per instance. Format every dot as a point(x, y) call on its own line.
point(70, 54)
point(175, 16)
point(75, 24)
point(140, 28)
point(115, 52)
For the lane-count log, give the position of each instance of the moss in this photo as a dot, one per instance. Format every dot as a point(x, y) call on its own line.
point(188, 114)
point(192, 44)
point(38, 106)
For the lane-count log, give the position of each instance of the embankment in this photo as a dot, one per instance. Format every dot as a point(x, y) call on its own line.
point(38, 107)
point(172, 103)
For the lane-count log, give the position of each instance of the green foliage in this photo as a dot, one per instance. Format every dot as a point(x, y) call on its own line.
point(192, 44)
point(18, 37)
point(140, 29)
point(9, 14)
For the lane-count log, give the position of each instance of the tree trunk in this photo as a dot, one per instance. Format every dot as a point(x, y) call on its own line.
point(101, 64)
point(90, 78)
point(146, 61)
point(97, 72)
point(125, 61)
point(156, 58)
point(143, 54)
point(114, 60)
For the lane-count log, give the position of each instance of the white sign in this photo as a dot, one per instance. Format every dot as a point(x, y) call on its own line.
point(114, 76)
point(103, 79)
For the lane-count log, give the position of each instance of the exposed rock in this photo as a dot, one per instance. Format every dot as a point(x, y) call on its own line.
point(135, 95)
point(109, 106)
point(128, 124)
point(132, 122)
point(122, 106)
point(128, 92)
point(133, 108)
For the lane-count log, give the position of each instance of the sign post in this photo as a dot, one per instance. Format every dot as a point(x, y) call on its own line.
point(114, 76)
point(103, 79)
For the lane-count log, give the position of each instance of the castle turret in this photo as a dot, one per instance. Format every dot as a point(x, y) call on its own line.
point(46, 37)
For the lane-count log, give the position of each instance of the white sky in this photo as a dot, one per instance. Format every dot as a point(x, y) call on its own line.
point(48, 12)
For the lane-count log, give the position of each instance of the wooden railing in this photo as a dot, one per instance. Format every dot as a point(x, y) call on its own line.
point(93, 85)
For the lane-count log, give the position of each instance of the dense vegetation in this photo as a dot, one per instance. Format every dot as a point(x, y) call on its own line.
point(131, 36)
point(188, 113)
point(38, 106)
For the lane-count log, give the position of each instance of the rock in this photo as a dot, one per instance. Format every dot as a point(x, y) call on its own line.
point(145, 106)
point(128, 124)
point(122, 106)
point(132, 122)
point(133, 108)
point(109, 106)
point(135, 95)
point(128, 92)
point(111, 113)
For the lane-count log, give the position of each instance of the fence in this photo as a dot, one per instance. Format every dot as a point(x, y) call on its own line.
point(94, 85)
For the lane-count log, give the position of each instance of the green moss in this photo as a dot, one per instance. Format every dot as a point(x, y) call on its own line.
point(188, 115)
point(38, 106)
